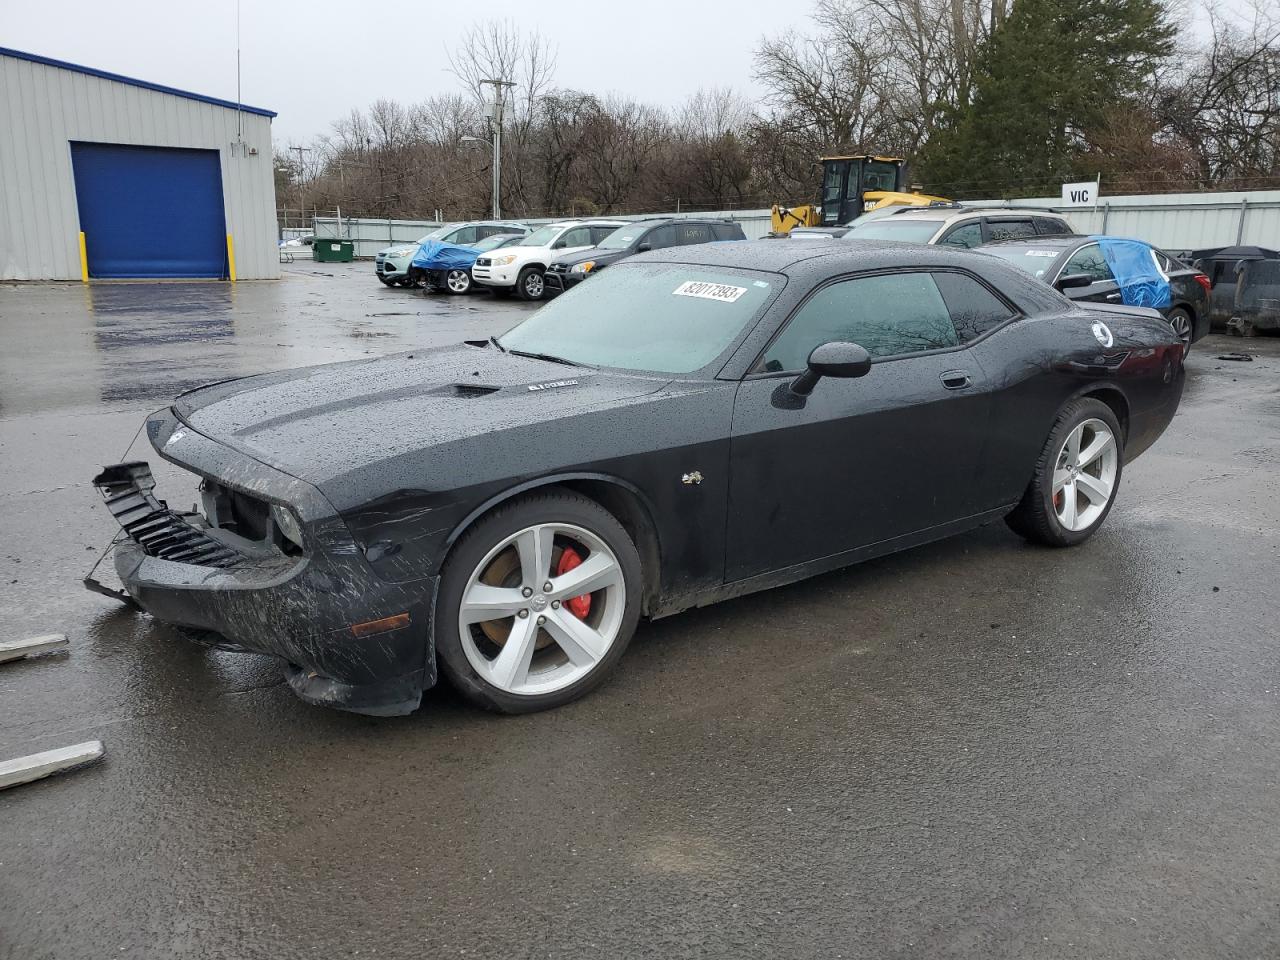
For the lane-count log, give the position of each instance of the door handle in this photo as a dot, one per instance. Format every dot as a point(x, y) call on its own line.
point(1113, 297)
point(955, 379)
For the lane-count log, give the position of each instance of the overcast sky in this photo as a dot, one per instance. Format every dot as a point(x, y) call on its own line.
point(311, 61)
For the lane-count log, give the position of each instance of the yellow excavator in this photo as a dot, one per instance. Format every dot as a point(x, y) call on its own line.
point(852, 186)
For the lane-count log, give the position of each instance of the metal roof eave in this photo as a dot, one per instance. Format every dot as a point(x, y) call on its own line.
point(118, 78)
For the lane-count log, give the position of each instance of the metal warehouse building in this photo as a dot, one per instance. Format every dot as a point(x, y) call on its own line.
point(103, 176)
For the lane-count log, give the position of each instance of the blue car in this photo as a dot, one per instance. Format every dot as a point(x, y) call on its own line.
point(447, 266)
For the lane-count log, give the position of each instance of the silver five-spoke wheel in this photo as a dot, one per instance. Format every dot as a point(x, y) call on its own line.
point(458, 281)
point(542, 608)
point(1084, 477)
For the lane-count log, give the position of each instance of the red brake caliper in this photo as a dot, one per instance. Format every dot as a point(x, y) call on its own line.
point(578, 606)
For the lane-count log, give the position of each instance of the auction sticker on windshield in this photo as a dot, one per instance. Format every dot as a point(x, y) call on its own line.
point(709, 291)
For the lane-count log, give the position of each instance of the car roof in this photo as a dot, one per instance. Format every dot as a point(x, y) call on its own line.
point(776, 255)
point(939, 214)
point(1063, 240)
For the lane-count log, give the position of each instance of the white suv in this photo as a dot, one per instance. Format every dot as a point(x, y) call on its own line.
point(520, 268)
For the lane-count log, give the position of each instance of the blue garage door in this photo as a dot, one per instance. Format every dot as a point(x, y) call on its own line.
point(150, 211)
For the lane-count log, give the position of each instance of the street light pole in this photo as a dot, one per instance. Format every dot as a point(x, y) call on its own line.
point(500, 88)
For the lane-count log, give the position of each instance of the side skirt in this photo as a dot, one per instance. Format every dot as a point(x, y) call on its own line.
point(811, 568)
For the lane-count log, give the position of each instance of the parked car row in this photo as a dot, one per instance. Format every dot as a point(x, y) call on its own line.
point(511, 258)
point(1096, 269)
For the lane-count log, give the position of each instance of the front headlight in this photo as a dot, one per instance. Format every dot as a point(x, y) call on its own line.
point(290, 526)
point(585, 267)
point(402, 252)
point(503, 261)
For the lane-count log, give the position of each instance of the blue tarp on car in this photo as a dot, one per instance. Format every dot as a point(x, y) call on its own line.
point(1133, 264)
point(434, 255)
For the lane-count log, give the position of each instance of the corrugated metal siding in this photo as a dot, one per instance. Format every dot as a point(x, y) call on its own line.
point(43, 108)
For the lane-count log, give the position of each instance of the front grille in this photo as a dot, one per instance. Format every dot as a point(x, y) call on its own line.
point(127, 489)
point(557, 268)
point(484, 262)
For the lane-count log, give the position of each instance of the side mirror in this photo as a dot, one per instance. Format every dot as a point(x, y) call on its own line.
point(835, 359)
point(1073, 280)
point(643, 246)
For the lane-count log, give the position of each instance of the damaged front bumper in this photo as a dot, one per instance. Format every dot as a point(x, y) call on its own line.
point(350, 640)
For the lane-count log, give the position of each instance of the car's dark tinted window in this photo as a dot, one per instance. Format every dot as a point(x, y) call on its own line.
point(966, 235)
point(660, 237)
point(889, 315)
point(599, 233)
point(687, 233)
point(465, 235)
point(974, 308)
point(1089, 261)
point(1010, 229)
point(1051, 226)
point(728, 231)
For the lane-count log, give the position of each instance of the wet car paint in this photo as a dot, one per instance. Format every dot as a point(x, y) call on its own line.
point(973, 749)
point(394, 458)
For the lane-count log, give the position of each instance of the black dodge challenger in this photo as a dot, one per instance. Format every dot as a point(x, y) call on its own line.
point(695, 424)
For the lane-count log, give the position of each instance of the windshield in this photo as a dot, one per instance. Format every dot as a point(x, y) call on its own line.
point(490, 243)
point(660, 317)
point(437, 233)
point(907, 231)
point(1037, 261)
point(542, 237)
point(620, 239)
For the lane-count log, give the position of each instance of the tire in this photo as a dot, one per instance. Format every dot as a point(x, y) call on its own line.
point(487, 571)
point(1184, 326)
point(1047, 516)
point(530, 285)
point(458, 281)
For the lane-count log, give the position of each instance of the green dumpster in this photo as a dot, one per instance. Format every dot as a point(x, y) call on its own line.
point(332, 250)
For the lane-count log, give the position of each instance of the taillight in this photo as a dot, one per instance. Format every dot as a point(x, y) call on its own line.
point(1204, 282)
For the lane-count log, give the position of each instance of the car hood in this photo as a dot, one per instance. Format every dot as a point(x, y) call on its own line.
point(321, 423)
point(602, 257)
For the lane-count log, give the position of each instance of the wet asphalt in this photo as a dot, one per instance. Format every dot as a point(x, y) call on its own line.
point(973, 749)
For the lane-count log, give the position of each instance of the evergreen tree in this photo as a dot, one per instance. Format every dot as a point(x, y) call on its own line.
point(1045, 77)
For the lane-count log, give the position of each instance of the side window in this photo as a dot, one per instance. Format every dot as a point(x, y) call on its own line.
point(1051, 226)
point(464, 235)
point(577, 237)
point(660, 237)
point(599, 233)
point(687, 233)
point(968, 235)
point(974, 309)
point(728, 231)
point(888, 315)
point(1010, 229)
point(1088, 260)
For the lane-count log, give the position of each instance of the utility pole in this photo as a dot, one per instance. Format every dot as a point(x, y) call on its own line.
point(493, 111)
point(302, 205)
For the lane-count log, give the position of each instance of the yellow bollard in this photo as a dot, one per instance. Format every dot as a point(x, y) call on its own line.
point(231, 259)
point(84, 261)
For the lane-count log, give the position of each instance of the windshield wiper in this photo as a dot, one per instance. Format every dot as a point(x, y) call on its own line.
point(545, 356)
point(494, 341)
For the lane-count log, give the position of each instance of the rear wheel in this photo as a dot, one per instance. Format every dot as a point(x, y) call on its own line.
point(537, 603)
point(1182, 325)
point(530, 285)
point(458, 281)
point(1075, 479)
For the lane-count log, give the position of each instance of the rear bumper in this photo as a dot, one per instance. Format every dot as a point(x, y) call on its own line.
point(300, 609)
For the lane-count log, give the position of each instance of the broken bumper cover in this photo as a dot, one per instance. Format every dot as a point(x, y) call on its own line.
point(300, 609)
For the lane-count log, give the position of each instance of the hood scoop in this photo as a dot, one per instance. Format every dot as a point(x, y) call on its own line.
point(464, 390)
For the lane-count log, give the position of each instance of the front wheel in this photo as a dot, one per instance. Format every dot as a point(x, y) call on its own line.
point(537, 603)
point(458, 281)
point(1076, 478)
point(530, 285)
